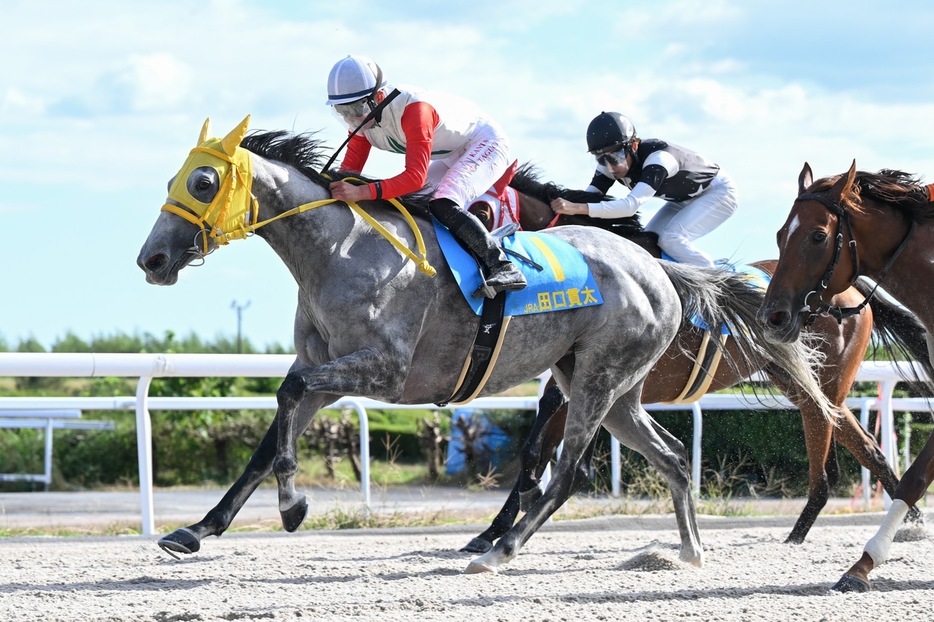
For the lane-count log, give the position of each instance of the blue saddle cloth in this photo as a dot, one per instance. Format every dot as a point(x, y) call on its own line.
point(757, 278)
point(563, 283)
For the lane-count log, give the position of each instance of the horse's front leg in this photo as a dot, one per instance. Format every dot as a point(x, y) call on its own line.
point(910, 490)
point(188, 539)
point(364, 372)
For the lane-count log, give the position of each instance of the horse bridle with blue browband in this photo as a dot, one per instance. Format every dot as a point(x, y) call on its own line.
point(843, 228)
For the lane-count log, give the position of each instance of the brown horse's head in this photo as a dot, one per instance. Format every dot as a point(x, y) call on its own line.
point(484, 213)
point(839, 228)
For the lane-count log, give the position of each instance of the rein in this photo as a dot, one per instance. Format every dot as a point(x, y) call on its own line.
point(420, 259)
point(843, 227)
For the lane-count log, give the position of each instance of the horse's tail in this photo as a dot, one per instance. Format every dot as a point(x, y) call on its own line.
point(899, 336)
point(722, 297)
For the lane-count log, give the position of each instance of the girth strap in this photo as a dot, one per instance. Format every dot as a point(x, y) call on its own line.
point(484, 353)
point(705, 368)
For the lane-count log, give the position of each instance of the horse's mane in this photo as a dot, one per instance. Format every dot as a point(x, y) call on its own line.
point(526, 181)
point(894, 188)
point(306, 153)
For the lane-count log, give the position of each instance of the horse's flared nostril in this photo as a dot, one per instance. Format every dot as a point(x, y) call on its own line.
point(155, 262)
point(778, 319)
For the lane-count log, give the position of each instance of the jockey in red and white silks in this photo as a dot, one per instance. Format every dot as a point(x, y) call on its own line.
point(449, 146)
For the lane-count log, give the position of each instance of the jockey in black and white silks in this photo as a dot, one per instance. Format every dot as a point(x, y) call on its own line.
point(698, 195)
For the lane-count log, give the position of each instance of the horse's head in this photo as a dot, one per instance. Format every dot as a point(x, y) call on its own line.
point(484, 213)
point(209, 203)
point(817, 254)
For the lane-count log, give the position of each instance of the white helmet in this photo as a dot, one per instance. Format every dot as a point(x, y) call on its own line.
point(353, 78)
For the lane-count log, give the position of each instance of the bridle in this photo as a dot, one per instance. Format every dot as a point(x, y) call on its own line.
point(844, 228)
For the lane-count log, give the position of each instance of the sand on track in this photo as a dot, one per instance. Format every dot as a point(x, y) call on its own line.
point(607, 568)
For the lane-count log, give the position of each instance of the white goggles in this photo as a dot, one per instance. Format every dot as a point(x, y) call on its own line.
point(354, 111)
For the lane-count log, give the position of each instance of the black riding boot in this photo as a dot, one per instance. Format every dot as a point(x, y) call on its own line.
point(501, 274)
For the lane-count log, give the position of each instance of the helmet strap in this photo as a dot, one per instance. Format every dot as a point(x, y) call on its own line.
point(630, 150)
point(378, 111)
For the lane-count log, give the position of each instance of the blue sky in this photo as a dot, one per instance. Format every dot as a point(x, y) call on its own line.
point(100, 101)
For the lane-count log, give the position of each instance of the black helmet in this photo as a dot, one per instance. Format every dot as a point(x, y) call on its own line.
point(609, 129)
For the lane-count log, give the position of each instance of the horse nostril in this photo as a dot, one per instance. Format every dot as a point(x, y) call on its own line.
point(156, 262)
point(778, 318)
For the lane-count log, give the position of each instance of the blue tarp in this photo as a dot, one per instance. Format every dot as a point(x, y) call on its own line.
point(493, 445)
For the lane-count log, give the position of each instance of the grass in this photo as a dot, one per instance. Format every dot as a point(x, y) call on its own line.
point(726, 492)
point(582, 506)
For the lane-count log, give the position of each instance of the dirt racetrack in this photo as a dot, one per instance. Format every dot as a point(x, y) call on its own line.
point(613, 568)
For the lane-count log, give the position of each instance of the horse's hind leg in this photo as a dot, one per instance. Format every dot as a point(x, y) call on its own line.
point(667, 454)
point(546, 434)
point(583, 422)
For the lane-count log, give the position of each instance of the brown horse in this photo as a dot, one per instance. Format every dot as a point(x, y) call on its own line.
point(875, 225)
point(844, 345)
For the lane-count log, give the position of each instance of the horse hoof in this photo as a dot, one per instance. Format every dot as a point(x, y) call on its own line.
point(180, 541)
point(477, 545)
point(476, 567)
point(293, 518)
point(696, 559)
point(527, 498)
point(849, 583)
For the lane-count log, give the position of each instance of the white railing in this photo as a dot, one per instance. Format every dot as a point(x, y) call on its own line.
point(48, 420)
point(145, 367)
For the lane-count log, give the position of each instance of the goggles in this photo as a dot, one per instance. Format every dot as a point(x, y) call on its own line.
point(612, 156)
point(354, 111)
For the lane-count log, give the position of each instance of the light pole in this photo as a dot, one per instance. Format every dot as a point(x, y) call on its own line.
point(239, 309)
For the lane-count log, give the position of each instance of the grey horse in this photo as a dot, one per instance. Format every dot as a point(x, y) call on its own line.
point(371, 322)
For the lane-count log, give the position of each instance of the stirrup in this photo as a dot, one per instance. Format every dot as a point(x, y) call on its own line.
point(489, 290)
point(504, 232)
point(485, 291)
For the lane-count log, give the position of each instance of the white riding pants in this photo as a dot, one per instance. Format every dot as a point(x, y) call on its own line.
point(471, 171)
point(679, 224)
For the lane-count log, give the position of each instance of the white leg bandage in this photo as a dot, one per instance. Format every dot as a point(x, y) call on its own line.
point(878, 545)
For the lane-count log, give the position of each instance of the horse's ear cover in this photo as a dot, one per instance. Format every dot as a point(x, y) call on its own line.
point(230, 142)
point(205, 130)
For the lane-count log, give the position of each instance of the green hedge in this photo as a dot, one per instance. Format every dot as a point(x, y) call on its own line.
point(762, 446)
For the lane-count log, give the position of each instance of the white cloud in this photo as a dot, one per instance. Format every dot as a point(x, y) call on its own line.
point(153, 82)
point(16, 102)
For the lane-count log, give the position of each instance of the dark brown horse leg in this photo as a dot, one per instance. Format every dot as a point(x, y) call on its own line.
point(530, 491)
point(818, 436)
point(909, 490)
point(546, 434)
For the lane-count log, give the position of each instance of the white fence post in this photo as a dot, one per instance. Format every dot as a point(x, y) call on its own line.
point(696, 446)
point(144, 455)
point(888, 431)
